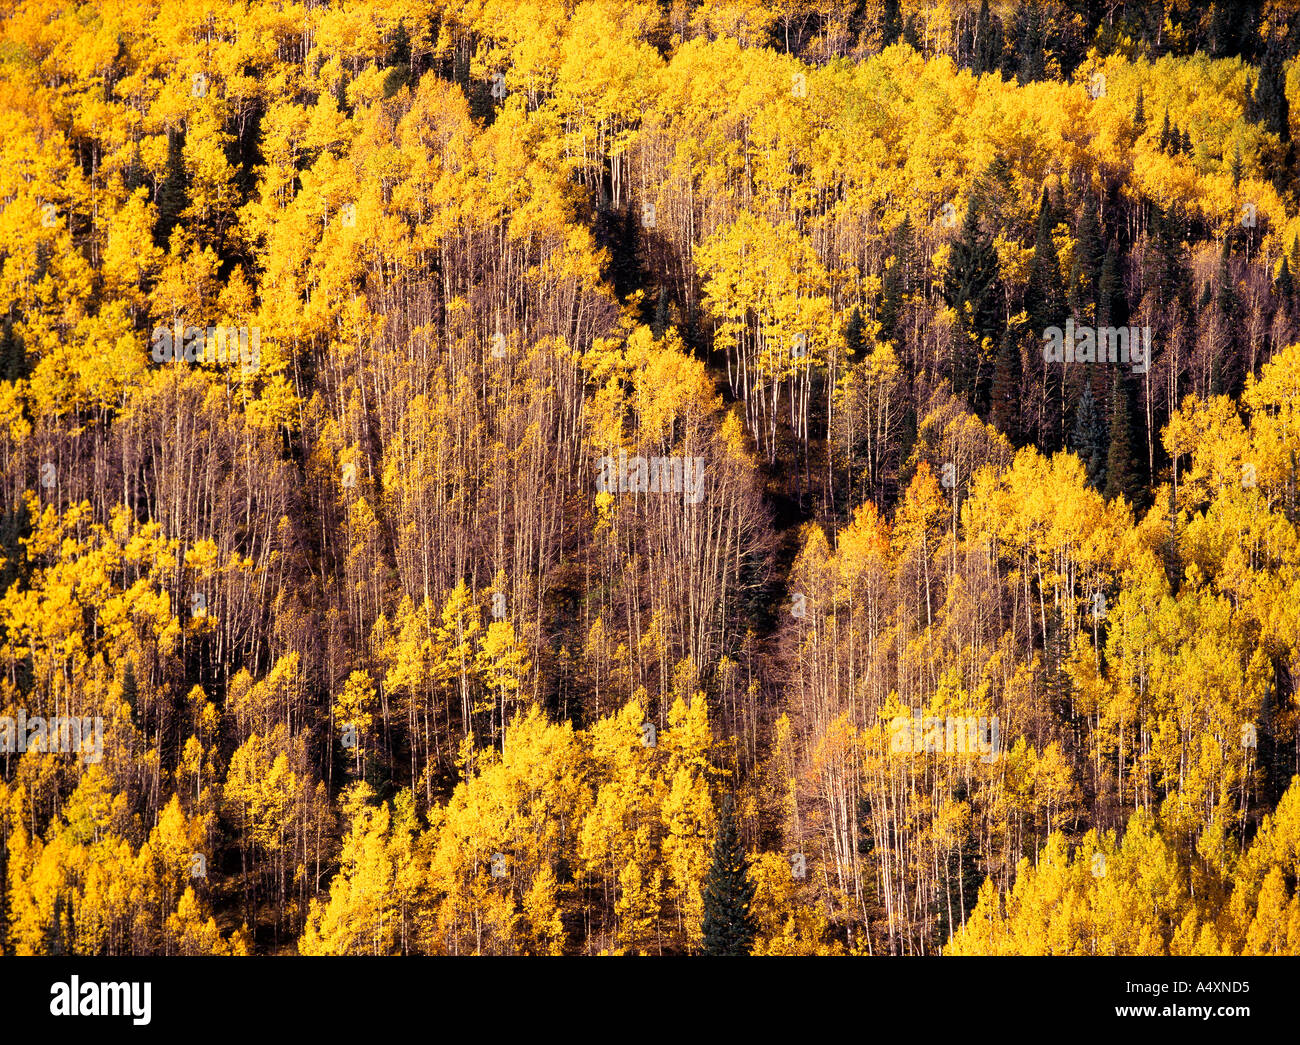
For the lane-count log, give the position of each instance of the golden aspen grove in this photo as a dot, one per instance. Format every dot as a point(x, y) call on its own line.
point(660, 477)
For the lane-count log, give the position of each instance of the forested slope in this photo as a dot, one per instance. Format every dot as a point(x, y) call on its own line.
point(469, 455)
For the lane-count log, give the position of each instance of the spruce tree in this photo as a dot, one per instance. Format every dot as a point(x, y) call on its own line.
point(971, 289)
point(1123, 474)
point(912, 33)
point(1004, 407)
point(130, 689)
point(1139, 111)
point(1045, 296)
point(173, 195)
point(972, 276)
point(1090, 249)
point(663, 315)
point(399, 62)
point(895, 282)
point(1227, 296)
point(988, 44)
point(134, 176)
point(1108, 286)
point(13, 357)
point(1172, 280)
point(1088, 437)
point(855, 337)
point(728, 894)
point(1032, 45)
point(1285, 286)
point(891, 23)
point(1271, 104)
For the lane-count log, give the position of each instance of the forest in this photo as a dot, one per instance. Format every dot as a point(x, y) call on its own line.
point(661, 477)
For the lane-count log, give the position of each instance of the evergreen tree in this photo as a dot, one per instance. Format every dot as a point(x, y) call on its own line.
point(891, 23)
point(1123, 473)
point(15, 527)
point(173, 194)
point(1222, 37)
point(130, 688)
point(728, 894)
point(13, 357)
point(1271, 108)
point(1032, 48)
point(663, 315)
point(133, 177)
point(988, 45)
point(971, 286)
point(1227, 296)
point(1045, 293)
point(1236, 167)
point(399, 62)
point(912, 34)
point(854, 334)
point(895, 282)
point(1172, 278)
point(1004, 407)
point(1090, 247)
point(1088, 437)
point(399, 53)
point(1085, 270)
point(1139, 111)
point(1108, 286)
point(1285, 285)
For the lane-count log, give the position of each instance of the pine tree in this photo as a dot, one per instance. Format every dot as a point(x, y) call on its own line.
point(1088, 437)
point(912, 33)
point(663, 314)
point(891, 23)
point(1032, 44)
point(1285, 286)
point(134, 177)
point(1109, 289)
point(971, 288)
point(972, 276)
point(1139, 111)
point(1123, 477)
point(1090, 249)
point(895, 282)
point(1271, 107)
point(728, 894)
point(854, 334)
point(130, 688)
point(1174, 286)
point(399, 62)
point(173, 195)
point(13, 358)
point(1044, 295)
point(1004, 408)
point(987, 45)
point(1227, 296)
